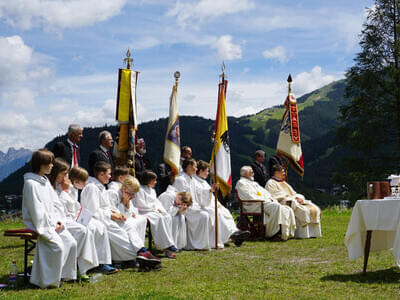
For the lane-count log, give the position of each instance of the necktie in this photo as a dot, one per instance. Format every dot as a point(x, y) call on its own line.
point(108, 153)
point(75, 157)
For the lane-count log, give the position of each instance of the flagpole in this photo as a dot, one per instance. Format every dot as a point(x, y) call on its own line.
point(289, 80)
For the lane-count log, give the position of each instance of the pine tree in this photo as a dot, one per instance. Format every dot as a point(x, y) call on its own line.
point(370, 123)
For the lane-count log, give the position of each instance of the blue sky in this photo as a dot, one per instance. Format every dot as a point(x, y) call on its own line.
point(59, 58)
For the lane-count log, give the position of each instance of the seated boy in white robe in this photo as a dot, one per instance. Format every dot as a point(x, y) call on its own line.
point(56, 249)
point(120, 173)
point(160, 221)
point(95, 198)
point(307, 214)
point(176, 204)
point(133, 223)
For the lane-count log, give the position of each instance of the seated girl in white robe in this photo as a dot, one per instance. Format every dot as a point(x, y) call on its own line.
point(133, 223)
point(87, 256)
point(160, 221)
point(197, 219)
point(56, 249)
point(226, 225)
point(95, 198)
point(120, 173)
point(307, 213)
point(176, 204)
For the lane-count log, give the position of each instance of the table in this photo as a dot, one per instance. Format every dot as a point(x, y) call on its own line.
point(381, 216)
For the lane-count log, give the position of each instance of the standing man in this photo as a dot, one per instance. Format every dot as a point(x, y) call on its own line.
point(102, 153)
point(141, 162)
point(186, 153)
point(260, 171)
point(69, 150)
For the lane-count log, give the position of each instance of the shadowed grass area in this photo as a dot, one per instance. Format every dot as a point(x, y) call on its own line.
point(296, 269)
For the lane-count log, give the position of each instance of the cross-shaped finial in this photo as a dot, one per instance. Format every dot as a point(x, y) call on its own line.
point(128, 60)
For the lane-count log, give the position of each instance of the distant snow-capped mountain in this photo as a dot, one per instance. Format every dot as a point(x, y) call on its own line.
point(12, 160)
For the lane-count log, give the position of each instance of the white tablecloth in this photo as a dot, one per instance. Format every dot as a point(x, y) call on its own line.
point(381, 216)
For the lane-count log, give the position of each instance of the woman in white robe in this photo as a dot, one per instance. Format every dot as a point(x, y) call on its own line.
point(133, 223)
point(206, 199)
point(169, 201)
point(307, 214)
point(150, 207)
point(87, 256)
point(56, 249)
point(198, 220)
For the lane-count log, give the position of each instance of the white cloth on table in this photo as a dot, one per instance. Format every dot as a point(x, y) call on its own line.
point(381, 216)
point(134, 226)
point(275, 214)
point(307, 223)
point(56, 252)
point(179, 233)
point(197, 219)
point(160, 221)
point(226, 224)
point(95, 199)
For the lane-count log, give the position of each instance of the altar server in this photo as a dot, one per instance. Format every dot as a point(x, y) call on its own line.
point(87, 256)
point(197, 219)
point(307, 214)
point(276, 216)
point(226, 225)
point(56, 249)
point(160, 221)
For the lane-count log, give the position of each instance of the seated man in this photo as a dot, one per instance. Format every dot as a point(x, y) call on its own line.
point(307, 214)
point(276, 216)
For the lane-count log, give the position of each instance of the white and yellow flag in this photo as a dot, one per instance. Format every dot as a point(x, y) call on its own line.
point(172, 147)
point(289, 145)
point(221, 150)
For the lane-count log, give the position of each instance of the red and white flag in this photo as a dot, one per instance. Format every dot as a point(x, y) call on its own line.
point(289, 146)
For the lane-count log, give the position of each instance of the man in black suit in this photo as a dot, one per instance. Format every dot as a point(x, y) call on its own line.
point(260, 171)
point(69, 150)
point(102, 153)
point(141, 162)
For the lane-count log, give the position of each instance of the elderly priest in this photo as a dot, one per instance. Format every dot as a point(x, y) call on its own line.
point(276, 216)
point(307, 214)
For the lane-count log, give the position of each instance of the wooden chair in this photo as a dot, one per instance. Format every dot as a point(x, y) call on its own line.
point(30, 238)
point(251, 219)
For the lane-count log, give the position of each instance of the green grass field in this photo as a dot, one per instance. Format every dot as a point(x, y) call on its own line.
point(296, 269)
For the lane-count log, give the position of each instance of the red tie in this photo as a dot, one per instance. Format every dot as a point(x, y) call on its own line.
point(75, 157)
point(108, 153)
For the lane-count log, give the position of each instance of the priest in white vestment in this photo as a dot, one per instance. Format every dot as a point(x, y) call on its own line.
point(198, 220)
point(56, 249)
point(226, 225)
point(276, 216)
point(307, 214)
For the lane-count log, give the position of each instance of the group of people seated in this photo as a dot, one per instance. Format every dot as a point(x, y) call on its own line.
point(89, 222)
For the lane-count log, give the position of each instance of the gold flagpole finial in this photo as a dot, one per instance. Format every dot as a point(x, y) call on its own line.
point(128, 60)
point(223, 68)
point(177, 74)
point(289, 80)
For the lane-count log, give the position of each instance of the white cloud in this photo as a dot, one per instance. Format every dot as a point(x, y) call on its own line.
point(199, 10)
point(279, 52)
point(306, 82)
point(21, 99)
point(63, 105)
point(26, 15)
point(227, 50)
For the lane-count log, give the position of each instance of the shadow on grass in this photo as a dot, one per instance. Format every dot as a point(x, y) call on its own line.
point(391, 275)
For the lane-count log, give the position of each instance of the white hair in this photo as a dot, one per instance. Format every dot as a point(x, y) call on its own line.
point(244, 170)
point(73, 128)
point(103, 135)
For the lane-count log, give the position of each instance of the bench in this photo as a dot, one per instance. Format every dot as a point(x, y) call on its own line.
point(29, 236)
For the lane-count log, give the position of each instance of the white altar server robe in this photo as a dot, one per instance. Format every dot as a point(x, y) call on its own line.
point(179, 234)
point(198, 220)
point(134, 226)
point(226, 224)
point(275, 214)
point(95, 199)
point(55, 254)
point(160, 221)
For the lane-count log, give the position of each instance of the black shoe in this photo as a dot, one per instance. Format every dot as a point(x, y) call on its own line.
point(238, 237)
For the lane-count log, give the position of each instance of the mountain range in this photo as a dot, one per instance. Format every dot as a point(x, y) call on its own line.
point(12, 160)
point(318, 112)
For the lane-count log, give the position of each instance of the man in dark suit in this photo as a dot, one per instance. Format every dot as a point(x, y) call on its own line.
point(260, 171)
point(69, 150)
point(102, 153)
point(141, 162)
